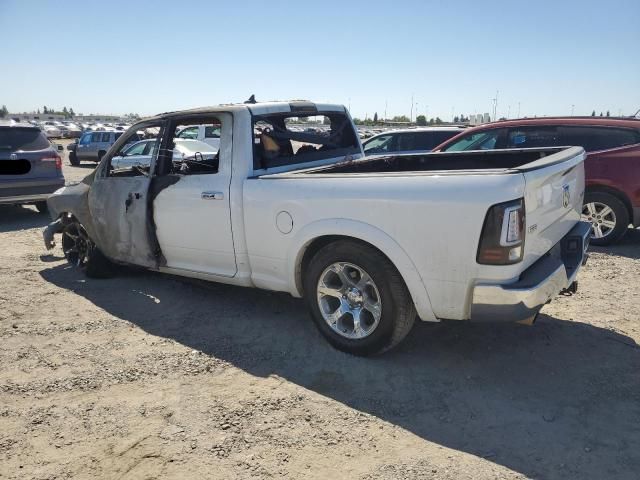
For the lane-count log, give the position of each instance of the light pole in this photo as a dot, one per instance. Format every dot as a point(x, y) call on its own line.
point(411, 114)
point(572, 108)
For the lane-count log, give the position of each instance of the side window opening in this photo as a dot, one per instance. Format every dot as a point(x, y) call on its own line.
point(290, 138)
point(187, 155)
point(485, 140)
point(135, 157)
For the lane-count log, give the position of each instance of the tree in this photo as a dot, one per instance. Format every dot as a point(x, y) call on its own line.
point(357, 121)
point(608, 113)
point(72, 113)
point(38, 111)
point(438, 120)
point(456, 119)
point(3, 111)
point(600, 113)
point(45, 110)
point(375, 117)
point(593, 114)
point(421, 120)
point(401, 118)
point(65, 112)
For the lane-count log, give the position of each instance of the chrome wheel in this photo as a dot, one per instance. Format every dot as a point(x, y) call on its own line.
point(601, 217)
point(349, 300)
point(76, 244)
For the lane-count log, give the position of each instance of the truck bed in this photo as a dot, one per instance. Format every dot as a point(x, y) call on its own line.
point(451, 161)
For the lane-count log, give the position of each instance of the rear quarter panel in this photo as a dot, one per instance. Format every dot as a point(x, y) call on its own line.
point(433, 220)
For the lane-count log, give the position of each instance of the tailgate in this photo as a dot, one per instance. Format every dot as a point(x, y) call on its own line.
point(554, 190)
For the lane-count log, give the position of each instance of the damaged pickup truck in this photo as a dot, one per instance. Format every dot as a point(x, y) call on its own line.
point(370, 243)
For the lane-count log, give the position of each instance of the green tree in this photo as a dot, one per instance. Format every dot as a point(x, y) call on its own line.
point(601, 114)
point(72, 113)
point(593, 114)
point(400, 118)
point(65, 112)
point(45, 110)
point(456, 119)
point(421, 120)
point(608, 113)
point(375, 117)
point(357, 121)
point(38, 111)
point(438, 120)
point(3, 111)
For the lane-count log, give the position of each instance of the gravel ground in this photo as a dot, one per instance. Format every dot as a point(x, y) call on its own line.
point(147, 376)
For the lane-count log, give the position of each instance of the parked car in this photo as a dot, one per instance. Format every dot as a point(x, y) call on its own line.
point(612, 167)
point(410, 140)
point(209, 134)
point(92, 146)
point(368, 242)
point(51, 132)
point(141, 153)
point(30, 167)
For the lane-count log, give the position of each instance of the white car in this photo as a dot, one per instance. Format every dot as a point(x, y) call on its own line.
point(51, 132)
point(409, 140)
point(141, 153)
point(209, 134)
point(370, 243)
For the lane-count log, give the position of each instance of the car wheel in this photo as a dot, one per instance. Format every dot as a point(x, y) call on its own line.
point(80, 251)
point(608, 216)
point(100, 155)
point(357, 298)
point(73, 159)
point(42, 207)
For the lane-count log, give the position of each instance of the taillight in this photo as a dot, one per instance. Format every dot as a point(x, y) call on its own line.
point(503, 232)
point(56, 159)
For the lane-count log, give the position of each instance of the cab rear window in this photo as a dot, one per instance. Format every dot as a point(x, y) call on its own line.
point(22, 139)
point(289, 138)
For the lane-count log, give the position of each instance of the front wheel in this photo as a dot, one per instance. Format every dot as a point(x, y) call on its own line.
point(80, 251)
point(42, 207)
point(608, 216)
point(357, 298)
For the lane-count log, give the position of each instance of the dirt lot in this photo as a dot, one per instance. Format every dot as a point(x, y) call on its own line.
point(147, 376)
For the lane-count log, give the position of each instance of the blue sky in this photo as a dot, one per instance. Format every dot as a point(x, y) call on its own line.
point(148, 57)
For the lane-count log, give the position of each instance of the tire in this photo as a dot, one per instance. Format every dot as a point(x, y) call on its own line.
point(73, 159)
point(100, 155)
point(608, 216)
point(386, 294)
point(42, 207)
point(80, 251)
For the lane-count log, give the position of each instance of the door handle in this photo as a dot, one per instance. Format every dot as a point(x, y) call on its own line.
point(212, 195)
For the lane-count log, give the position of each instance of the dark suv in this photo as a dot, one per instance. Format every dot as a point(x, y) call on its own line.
point(30, 167)
point(612, 167)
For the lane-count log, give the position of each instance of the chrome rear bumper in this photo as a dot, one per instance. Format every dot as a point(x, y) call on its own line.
point(537, 285)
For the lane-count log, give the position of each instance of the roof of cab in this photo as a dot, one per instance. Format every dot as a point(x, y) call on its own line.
point(258, 108)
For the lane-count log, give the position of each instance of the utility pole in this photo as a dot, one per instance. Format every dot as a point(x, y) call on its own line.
point(572, 109)
point(495, 106)
point(518, 109)
point(411, 114)
point(509, 112)
point(385, 111)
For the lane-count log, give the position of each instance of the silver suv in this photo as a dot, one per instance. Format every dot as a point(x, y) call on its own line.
point(92, 146)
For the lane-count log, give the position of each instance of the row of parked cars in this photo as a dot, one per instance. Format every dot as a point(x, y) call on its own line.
point(70, 129)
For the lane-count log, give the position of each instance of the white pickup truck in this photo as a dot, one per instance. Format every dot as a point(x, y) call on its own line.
point(370, 243)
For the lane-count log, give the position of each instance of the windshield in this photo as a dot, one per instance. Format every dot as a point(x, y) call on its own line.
point(485, 140)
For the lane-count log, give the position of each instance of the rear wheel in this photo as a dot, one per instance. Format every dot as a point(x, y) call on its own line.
point(42, 207)
point(358, 299)
point(73, 159)
point(100, 155)
point(608, 216)
point(80, 251)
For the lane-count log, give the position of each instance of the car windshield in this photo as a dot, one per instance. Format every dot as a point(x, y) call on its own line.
point(24, 139)
point(486, 140)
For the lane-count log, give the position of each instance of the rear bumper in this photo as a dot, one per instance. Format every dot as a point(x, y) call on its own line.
point(30, 192)
point(537, 285)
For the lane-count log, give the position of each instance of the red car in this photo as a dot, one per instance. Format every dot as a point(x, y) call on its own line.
point(612, 167)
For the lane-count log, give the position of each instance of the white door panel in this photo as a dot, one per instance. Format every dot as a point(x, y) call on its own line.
point(193, 224)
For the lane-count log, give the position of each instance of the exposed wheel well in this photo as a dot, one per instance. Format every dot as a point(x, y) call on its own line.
point(616, 193)
point(318, 243)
